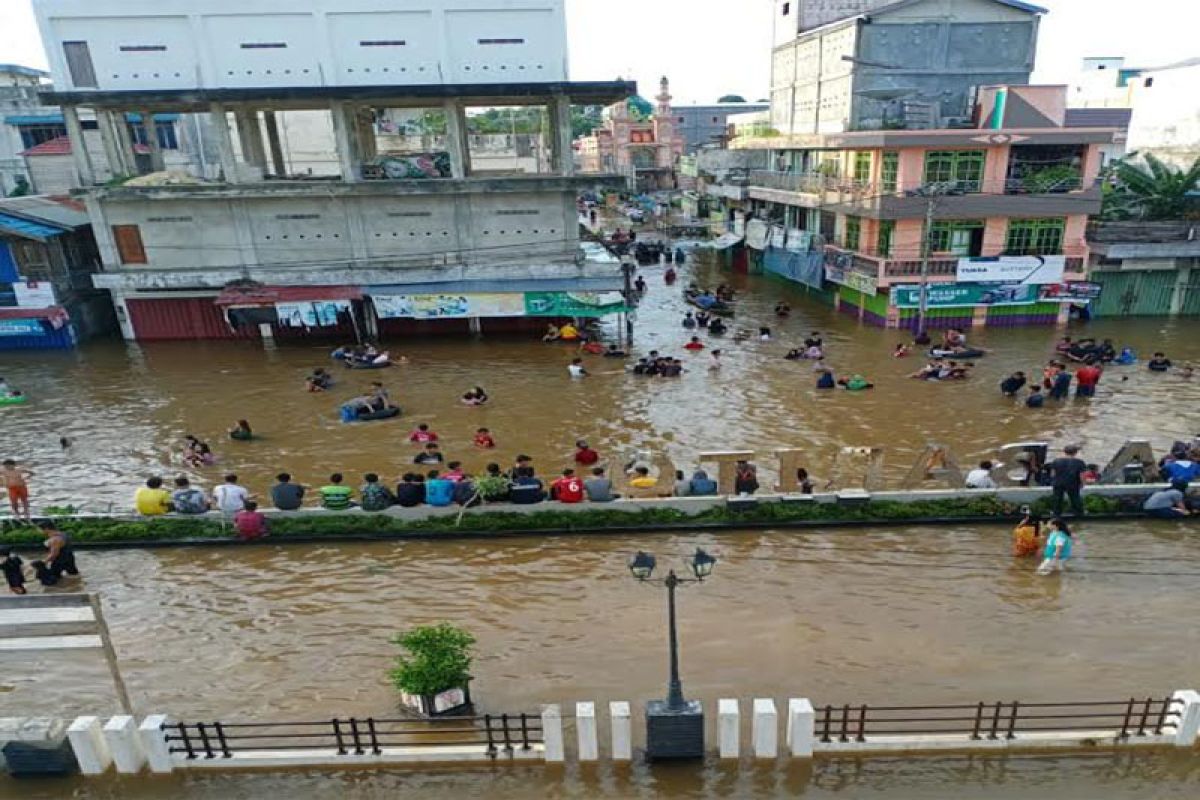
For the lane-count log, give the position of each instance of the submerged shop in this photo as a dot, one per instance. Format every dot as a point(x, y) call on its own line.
point(358, 313)
point(1003, 290)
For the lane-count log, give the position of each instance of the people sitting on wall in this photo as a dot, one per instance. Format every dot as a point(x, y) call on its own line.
point(1170, 503)
point(745, 480)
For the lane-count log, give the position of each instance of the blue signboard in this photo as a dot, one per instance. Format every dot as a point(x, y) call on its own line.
point(22, 327)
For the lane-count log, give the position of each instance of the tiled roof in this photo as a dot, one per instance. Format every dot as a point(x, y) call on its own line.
point(61, 146)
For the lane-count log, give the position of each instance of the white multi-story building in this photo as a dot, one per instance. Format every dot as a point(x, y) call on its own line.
point(386, 241)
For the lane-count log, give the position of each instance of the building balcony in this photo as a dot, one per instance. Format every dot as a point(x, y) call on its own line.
point(943, 267)
point(964, 199)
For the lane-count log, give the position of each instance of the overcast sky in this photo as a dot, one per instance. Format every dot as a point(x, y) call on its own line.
point(713, 47)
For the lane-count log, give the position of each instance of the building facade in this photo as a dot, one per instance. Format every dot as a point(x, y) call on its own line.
point(1146, 268)
point(1006, 201)
point(907, 64)
point(47, 259)
point(645, 150)
point(708, 126)
point(374, 241)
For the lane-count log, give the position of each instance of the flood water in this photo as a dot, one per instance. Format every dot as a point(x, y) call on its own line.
point(903, 616)
point(899, 615)
point(126, 408)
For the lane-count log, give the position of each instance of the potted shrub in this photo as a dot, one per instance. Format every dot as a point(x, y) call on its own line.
point(432, 672)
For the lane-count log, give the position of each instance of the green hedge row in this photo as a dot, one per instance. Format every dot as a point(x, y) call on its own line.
point(333, 525)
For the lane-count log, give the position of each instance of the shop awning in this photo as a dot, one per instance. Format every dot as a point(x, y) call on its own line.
point(56, 315)
point(27, 229)
point(270, 295)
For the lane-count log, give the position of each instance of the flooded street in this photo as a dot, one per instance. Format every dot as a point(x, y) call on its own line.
point(900, 615)
point(126, 408)
point(871, 615)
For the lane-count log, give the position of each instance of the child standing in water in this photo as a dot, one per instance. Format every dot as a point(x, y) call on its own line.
point(1058, 548)
point(17, 487)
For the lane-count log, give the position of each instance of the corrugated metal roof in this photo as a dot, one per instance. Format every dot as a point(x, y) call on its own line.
point(61, 146)
point(613, 284)
point(58, 210)
point(27, 229)
point(1098, 118)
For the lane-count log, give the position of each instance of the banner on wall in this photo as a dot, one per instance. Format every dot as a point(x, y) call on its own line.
point(318, 314)
point(22, 327)
point(573, 304)
point(840, 272)
point(449, 306)
point(757, 234)
point(967, 295)
point(1012, 269)
point(964, 295)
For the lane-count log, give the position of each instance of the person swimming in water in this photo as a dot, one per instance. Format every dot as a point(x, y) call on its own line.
point(689, 320)
point(794, 355)
point(319, 380)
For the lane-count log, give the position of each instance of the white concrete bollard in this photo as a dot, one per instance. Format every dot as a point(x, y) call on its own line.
point(552, 733)
point(801, 727)
point(88, 744)
point(158, 754)
point(622, 730)
point(1189, 718)
point(729, 728)
point(585, 728)
point(766, 728)
point(123, 743)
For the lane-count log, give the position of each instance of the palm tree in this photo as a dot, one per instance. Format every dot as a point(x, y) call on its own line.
point(1154, 190)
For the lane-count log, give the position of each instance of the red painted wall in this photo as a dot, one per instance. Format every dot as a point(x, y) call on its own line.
point(182, 318)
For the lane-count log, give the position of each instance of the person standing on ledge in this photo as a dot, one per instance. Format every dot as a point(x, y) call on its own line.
point(1067, 479)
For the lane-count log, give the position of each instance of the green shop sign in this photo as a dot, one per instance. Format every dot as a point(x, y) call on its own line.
point(573, 304)
point(965, 295)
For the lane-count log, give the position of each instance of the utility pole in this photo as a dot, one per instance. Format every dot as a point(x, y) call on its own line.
point(926, 246)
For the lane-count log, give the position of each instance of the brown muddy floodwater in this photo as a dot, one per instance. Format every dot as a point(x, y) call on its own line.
point(902, 615)
point(126, 409)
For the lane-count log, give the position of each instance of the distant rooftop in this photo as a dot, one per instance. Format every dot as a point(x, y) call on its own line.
point(18, 69)
point(61, 146)
point(1098, 118)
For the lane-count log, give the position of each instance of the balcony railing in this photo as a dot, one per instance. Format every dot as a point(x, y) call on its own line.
point(851, 190)
point(940, 265)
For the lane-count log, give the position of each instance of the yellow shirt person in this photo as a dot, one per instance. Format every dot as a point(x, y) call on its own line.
point(152, 500)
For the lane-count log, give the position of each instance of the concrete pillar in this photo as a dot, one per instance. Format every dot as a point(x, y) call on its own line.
point(766, 728)
point(561, 135)
point(89, 746)
point(112, 144)
point(456, 139)
point(552, 733)
point(125, 142)
point(622, 731)
point(158, 754)
point(345, 141)
point(121, 734)
point(220, 124)
point(250, 138)
point(79, 152)
point(156, 156)
point(585, 729)
point(278, 166)
point(364, 126)
point(801, 727)
point(727, 466)
point(729, 728)
point(266, 331)
point(979, 316)
point(1188, 727)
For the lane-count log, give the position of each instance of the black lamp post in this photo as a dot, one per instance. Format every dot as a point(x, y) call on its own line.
point(674, 727)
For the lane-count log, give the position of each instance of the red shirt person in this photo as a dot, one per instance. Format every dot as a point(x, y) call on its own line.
point(568, 488)
point(1086, 378)
point(585, 455)
point(694, 344)
point(422, 435)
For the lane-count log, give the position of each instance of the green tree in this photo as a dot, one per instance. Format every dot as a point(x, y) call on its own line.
point(731, 98)
point(435, 658)
point(1152, 190)
point(585, 119)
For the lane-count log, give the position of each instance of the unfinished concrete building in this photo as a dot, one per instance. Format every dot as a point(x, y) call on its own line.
point(266, 241)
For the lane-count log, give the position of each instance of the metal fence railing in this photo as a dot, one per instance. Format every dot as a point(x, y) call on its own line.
point(998, 720)
point(499, 733)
